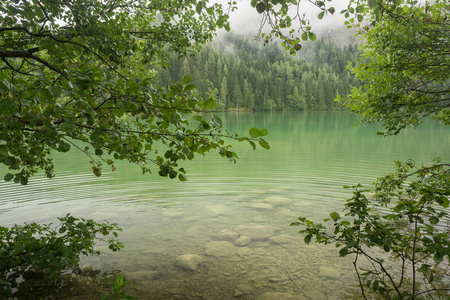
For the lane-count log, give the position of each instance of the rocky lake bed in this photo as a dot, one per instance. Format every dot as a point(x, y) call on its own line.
point(206, 258)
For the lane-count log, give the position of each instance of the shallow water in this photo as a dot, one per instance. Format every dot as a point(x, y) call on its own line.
point(313, 154)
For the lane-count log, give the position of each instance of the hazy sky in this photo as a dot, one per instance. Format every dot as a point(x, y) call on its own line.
point(246, 19)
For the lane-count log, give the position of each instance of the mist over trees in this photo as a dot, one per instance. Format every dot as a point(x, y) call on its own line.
point(245, 75)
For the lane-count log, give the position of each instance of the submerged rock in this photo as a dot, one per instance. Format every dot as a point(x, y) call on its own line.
point(257, 233)
point(226, 235)
point(243, 240)
point(244, 251)
point(220, 249)
point(188, 261)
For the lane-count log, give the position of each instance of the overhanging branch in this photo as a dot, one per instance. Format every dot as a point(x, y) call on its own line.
point(29, 54)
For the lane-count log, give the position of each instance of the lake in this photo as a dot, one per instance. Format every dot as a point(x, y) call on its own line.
point(313, 154)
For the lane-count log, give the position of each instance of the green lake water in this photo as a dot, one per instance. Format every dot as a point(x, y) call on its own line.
point(313, 154)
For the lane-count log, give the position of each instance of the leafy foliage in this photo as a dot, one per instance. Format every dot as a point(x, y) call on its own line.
point(83, 72)
point(53, 248)
point(413, 230)
point(278, 15)
point(405, 65)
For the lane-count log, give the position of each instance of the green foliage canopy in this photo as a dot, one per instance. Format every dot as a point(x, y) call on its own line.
point(83, 72)
point(405, 65)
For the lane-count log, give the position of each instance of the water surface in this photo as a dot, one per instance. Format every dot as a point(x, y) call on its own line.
point(313, 154)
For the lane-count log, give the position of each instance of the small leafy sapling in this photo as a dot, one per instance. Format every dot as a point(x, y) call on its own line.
point(398, 233)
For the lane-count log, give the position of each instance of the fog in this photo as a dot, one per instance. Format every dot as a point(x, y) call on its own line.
point(246, 20)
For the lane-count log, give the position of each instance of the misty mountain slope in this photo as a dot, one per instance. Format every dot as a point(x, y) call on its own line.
point(248, 74)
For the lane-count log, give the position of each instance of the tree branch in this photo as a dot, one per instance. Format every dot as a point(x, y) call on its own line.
point(30, 54)
point(43, 34)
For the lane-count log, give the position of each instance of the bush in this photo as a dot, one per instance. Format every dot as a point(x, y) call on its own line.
point(405, 221)
point(52, 249)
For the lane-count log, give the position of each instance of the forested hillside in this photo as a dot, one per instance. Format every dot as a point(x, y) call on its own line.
point(246, 75)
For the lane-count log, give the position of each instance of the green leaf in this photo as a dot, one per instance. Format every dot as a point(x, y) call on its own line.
point(360, 8)
point(64, 147)
point(335, 216)
point(308, 238)
point(336, 229)
point(372, 3)
point(254, 132)
point(321, 14)
point(199, 7)
point(9, 161)
point(55, 91)
point(172, 174)
point(45, 93)
point(187, 79)
point(222, 20)
point(424, 268)
point(189, 87)
point(23, 180)
point(311, 36)
point(443, 201)
point(264, 144)
point(431, 209)
point(438, 257)
point(263, 132)
point(216, 119)
point(434, 220)
point(304, 36)
point(8, 177)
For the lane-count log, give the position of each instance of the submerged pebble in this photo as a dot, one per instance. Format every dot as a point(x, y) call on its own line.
point(188, 261)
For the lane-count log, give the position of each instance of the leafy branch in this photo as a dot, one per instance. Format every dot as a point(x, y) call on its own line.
point(407, 231)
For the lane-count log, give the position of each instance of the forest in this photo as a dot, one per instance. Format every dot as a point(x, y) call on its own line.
point(247, 74)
